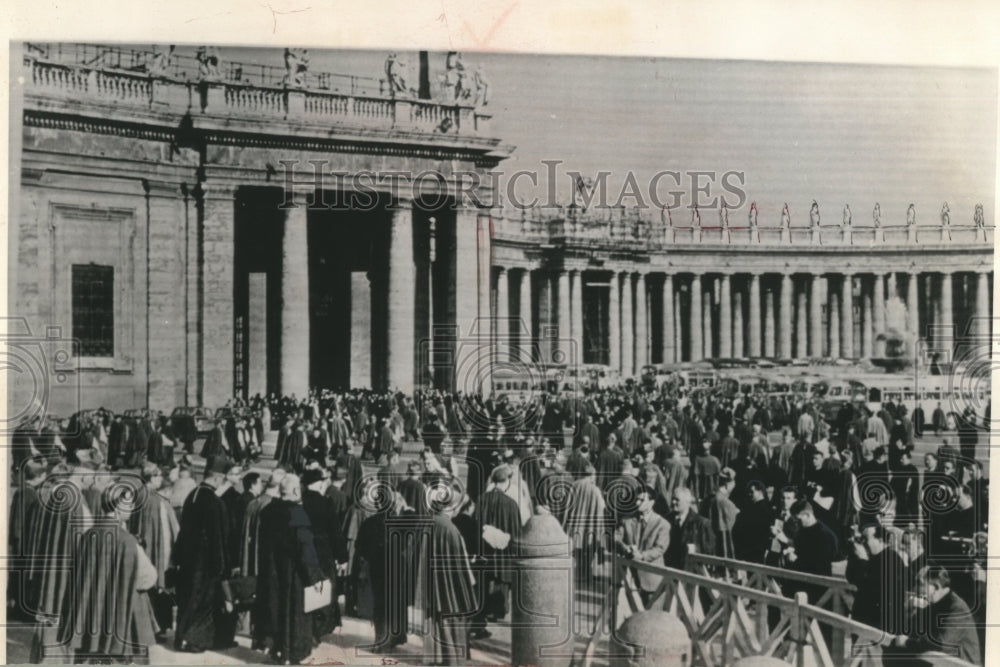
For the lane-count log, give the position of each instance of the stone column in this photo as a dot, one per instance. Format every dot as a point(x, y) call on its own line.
point(576, 317)
point(983, 304)
point(694, 323)
point(361, 331)
point(892, 290)
point(833, 321)
point(785, 317)
point(559, 355)
point(878, 306)
point(706, 315)
point(947, 309)
point(503, 330)
point(802, 320)
point(754, 336)
point(725, 317)
point(769, 324)
point(816, 317)
point(472, 297)
point(628, 336)
point(614, 325)
point(641, 324)
point(402, 300)
point(867, 331)
point(524, 339)
point(217, 335)
point(295, 302)
point(257, 334)
point(669, 337)
point(546, 301)
point(913, 306)
point(847, 317)
point(739, 342)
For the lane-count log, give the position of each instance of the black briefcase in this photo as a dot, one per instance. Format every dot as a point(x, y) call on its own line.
point(243, 592)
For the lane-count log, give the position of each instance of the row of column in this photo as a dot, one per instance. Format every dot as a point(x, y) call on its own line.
point(785, 315)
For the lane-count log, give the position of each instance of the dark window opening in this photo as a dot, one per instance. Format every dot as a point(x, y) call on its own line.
point(94, 309)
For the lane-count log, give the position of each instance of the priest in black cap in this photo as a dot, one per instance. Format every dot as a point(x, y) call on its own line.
point(328, 538)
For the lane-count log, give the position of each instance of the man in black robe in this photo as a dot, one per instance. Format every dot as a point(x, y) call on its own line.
point(498, 510)
point(390, 570)
point(106, 617)
point(446, 587)
point(204, 611)
point(331, 548)
point(288, 564)
point(22, 531)
point(413, 490)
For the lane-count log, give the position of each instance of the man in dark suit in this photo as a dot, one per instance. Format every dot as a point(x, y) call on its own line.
point(687, 527)
point(645, 539)
point(949, 625)
point(878, 572)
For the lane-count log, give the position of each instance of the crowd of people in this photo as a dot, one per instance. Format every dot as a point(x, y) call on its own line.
point(649, 474)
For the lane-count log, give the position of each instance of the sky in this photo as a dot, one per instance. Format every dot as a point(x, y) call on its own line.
point(839, 134)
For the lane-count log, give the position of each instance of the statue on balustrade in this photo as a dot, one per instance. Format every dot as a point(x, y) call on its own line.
point(162, 60)
point(208, 62)
point(481, 87)
point(978, 217)
point(394, 68)
point(945, 215)
point(911, 216)
point(814, 214)
point(786, 217)
point(296, 66)
point(847, 215)
point(695, 216)
point(877, 216)
point(454, 80)
point(724, 216)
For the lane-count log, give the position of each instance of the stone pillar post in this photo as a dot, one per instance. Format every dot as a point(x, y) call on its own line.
point(503, 330)
point(641, 324)
point(694, 319)
point(947, 309)
point(983, 304)
point(725, 318)
point(785, 316)
point(847, 317)
point(913, 306)
point(739, 341)
point(257, 335)
point(563, 314)
point(576, 317)
point(472, 296)
point(295, 302)
point(524, 340)
point(892, 289)
point(402, 300)
point(754, 336)
point(628, 336)
point(878, 306)
point(769, 323)
point(706, 315)
point(833, 321)
point(867, 330)
point(614, 324)
point(816, 317)
point(669, 337)
point(802, 320)
point(219, 206)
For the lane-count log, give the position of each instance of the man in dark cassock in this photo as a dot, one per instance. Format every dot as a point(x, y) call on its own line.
point(751, 532)
point(284, 433)
point(288, 564)
point(231, 493)
point(390, 570)
point(317, 446)
point(610, 460)
point(413, 490)
point(879, 573)
point(250, 547)
point(154, 524)
point(335, 493)
point(331, 549)
point(433, 434)
point(120, 439)
point(498, 510)
point(22, 531)
point(358, 573)
point(64, 518)
point(813, 550)
point(446, 587)
point(205, 617)
point(350, 463)
point(107, 617)
point(479, 459)
point(156, 450)
point(392, 472)
point(216, 444)
point(386, 441)
point(253, 486)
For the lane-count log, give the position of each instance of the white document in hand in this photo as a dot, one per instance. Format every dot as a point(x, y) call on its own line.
point(314, 599)
point(495, 537)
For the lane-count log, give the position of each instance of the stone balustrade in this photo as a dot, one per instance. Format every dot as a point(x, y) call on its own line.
point(143, 90)
point(618, 229)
